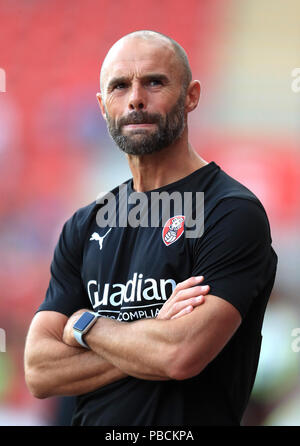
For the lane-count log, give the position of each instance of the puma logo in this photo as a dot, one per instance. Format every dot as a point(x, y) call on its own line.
point(98, 238)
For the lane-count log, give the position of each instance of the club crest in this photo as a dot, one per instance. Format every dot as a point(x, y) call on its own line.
point(173, 229)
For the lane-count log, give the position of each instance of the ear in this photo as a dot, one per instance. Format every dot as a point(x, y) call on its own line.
point(101, 104)
point(192, 96)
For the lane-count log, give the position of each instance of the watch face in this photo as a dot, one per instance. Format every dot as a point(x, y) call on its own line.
point(84, 320)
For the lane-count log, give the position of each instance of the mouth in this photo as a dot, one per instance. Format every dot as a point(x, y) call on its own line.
point(138, 126)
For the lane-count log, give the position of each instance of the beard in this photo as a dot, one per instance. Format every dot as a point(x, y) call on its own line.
point(141, 141)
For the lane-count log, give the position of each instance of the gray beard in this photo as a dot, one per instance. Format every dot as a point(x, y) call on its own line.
point(168, 130)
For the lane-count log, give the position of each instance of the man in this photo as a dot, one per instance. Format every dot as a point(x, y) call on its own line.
point(171, 350)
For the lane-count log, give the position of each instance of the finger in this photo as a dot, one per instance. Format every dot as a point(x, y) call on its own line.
point(191, 292)
point(188, 283)
point(183, 312)
point(168, 308)
point(179, 306)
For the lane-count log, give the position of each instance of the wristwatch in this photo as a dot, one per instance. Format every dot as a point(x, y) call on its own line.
point(83, 325)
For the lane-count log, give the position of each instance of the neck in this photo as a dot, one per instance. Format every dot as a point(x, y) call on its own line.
point(167, 166)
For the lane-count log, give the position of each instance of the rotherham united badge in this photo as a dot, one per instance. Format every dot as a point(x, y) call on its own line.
point(173, 229)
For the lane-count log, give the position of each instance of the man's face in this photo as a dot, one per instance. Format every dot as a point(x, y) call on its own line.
point(144, 101)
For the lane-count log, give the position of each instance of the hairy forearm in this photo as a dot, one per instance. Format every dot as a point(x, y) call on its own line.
point(167, 349)
point(66, 370)
point(56, 365)
point(141, 348)
point(54, 368)
point(148, 348)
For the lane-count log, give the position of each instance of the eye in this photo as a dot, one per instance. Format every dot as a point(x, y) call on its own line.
point(154, 82)
point(120, 86)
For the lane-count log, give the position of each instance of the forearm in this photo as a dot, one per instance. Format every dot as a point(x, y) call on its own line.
point(66, 370)
point(148, 348)
point(54, 368)
point(141, 349)
point(166, 349)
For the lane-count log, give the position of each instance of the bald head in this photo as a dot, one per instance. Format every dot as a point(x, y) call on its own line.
point(172, 49)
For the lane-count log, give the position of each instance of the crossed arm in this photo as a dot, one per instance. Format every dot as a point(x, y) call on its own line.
point(178, 344)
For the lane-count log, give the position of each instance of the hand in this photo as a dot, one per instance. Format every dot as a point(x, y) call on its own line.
point(184, 299)
point(68, 336)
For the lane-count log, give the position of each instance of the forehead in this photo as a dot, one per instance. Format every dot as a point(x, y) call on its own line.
point(136, 56)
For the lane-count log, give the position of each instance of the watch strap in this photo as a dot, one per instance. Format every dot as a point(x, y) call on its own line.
point(79, 338)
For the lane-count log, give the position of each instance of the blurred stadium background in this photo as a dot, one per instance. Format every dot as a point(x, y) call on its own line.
point(55, 155)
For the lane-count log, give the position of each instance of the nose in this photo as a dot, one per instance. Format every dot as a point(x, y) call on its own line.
point(137, 98)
